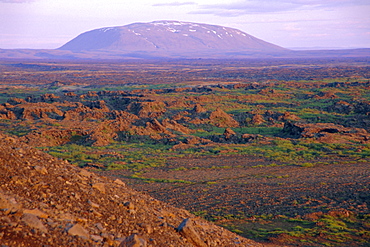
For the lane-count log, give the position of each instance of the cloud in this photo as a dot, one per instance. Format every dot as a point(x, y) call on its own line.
point(16, 1)
point(244, 7)
point(174, 4)
point(291, 27)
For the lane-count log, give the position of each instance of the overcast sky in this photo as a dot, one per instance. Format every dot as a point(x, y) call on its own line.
point(295, 23)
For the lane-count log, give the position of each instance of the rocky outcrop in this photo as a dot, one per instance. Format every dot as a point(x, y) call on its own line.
point(220, 118)
point(183, 115)
point(15, 101)
point(199, 109)
point(81, 112)
point(5, 113)
point(175, 126)
point(267, 91)
point(100, 135)
point(147, 109)
point(178, 104)
point(191, 142)
point(326, 95)
point(257, 119)
point(52, 137)
point(288, 116)
point(326, 132)
point(100, 104)
point(49, 97)
point(34, 111)
point(252, 137)
point(70, 94)
point(228, 133)
point(156, 127)
point(122, 120)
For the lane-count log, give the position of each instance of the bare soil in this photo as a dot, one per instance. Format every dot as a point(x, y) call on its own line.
point(241, 186)
point(234, 190)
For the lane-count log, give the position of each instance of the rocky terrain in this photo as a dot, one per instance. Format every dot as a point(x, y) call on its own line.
point(276, 151)
point(148, 113)
point(45, 201)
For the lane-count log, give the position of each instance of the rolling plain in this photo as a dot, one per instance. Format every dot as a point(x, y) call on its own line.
point(275, 150)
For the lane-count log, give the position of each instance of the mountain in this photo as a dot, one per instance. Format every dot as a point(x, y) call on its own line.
point(169, 38)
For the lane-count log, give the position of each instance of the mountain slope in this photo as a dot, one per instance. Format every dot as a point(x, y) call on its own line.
point(48, 202)
point(171, 37)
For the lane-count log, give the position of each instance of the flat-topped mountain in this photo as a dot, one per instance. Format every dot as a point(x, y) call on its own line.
point(171, 37)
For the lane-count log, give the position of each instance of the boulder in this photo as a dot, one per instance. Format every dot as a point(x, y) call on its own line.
point(133, 241)
point(100, 187)
point(186, 229)
point(33, 221)
point(8, 205)
point(78, 230)
point(36, 212)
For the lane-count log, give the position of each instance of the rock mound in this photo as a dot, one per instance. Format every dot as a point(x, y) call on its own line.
point(221, 119)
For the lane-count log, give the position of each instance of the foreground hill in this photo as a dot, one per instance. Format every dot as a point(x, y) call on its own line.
point(48, 202)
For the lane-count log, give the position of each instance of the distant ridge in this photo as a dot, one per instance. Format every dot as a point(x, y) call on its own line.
point(174, 40)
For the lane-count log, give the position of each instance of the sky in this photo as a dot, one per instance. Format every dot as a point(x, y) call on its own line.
point(48, 24)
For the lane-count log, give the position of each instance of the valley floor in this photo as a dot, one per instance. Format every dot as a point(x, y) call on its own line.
point(258, 199)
